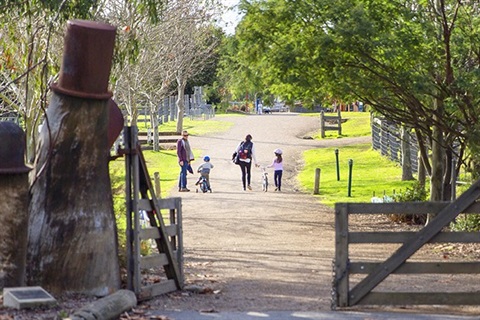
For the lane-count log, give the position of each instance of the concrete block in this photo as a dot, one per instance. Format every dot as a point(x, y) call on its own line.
point(27, 297)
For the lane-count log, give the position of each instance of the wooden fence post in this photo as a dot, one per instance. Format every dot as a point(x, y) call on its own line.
point(341, 280)
point(158, 191)
point(322, 124)
point(339, 114)
point(317, 181)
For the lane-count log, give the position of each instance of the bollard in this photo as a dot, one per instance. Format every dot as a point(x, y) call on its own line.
point(316, 189)
point(14, 208)
point(350, 166)
point(158, 191)
point(337, 165)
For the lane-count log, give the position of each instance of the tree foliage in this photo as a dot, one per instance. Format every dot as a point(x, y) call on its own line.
point(416, 62)
point(30, 51)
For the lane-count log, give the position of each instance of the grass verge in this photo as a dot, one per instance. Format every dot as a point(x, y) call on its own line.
point(371, 174)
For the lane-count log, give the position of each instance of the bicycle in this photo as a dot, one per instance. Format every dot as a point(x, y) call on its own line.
point(264, 180)
point(203, 184)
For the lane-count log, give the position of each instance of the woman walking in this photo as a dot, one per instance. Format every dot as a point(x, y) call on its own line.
point(245, 153)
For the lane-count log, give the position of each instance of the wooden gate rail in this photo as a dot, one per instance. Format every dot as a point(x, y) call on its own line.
point(324, 119)
point(173, 232)
point(140, 197)
point(145, 138)
point(361, 293)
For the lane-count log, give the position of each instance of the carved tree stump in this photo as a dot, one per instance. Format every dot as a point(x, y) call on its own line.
point(72, 245)
point(14, 228)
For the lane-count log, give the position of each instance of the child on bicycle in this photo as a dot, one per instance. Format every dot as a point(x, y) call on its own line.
point(277, 166)
point(204, 170)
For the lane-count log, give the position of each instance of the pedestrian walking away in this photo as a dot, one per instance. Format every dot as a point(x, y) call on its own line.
point(277, 165)
point(244, 155)
point(185, 156)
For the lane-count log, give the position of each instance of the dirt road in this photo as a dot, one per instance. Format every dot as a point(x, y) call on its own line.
point(262, 251)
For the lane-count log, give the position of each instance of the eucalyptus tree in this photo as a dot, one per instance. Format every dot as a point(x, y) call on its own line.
point(413, 61)
point(30, 51)
point(189, 41)
point(153, 52)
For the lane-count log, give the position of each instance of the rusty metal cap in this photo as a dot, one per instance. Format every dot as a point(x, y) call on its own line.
point(115, 122)
point(87, 60)
point(12, 149)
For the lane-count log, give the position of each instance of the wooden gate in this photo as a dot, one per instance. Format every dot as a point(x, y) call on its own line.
point(141, 198)
point(361, 293)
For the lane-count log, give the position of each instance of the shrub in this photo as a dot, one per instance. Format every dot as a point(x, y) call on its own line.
point(416, 193)
point(466, 222)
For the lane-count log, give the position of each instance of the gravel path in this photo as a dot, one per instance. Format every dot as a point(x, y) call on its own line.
point(262, 251)
point(257, 251)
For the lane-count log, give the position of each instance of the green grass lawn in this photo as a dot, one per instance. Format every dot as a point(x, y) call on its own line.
point(199, 127)
point(371, 174)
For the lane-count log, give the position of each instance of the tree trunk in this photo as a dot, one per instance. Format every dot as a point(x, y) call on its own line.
point(154, 122)
point(447, 178)
point(180, 102)
point(14, 228)
point(438, 163)
point(422, 174)
point(406, 155)
point(72, 244)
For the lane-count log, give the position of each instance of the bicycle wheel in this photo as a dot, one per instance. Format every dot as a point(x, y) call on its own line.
point(204, 186)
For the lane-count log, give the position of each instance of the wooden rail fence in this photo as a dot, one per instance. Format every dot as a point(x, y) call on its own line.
point(168, 139)
point(330, 123)
point(361, 293)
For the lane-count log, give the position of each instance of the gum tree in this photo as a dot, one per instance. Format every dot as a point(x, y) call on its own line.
point(414, 62)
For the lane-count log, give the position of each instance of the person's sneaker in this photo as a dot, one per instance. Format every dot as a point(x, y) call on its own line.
point(184, 190)
point(249, 188)
point(276, 189)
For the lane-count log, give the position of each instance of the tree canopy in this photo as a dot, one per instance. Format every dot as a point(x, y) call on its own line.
point(414, 61)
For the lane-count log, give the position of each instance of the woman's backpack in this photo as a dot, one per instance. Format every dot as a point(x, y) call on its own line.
point(245, 151)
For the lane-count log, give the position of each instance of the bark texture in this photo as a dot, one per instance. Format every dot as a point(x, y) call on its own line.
point(72, 244)
point(13, 228)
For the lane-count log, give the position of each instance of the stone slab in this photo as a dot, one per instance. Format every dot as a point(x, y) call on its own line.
point(27, 297)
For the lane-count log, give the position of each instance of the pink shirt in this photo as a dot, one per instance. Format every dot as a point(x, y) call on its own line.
point(276, 166)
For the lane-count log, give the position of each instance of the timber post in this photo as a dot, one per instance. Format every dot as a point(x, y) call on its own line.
point(72, 244)
point(14, 208)
point(316, 185)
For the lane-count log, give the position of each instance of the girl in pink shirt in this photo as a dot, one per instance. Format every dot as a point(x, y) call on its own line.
point(277, 166)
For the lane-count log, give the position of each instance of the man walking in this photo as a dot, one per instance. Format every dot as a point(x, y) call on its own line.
point(185, 155)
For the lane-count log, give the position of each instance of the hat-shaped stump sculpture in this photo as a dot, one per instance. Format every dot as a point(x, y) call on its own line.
point(72, 243)
point(14, 208)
